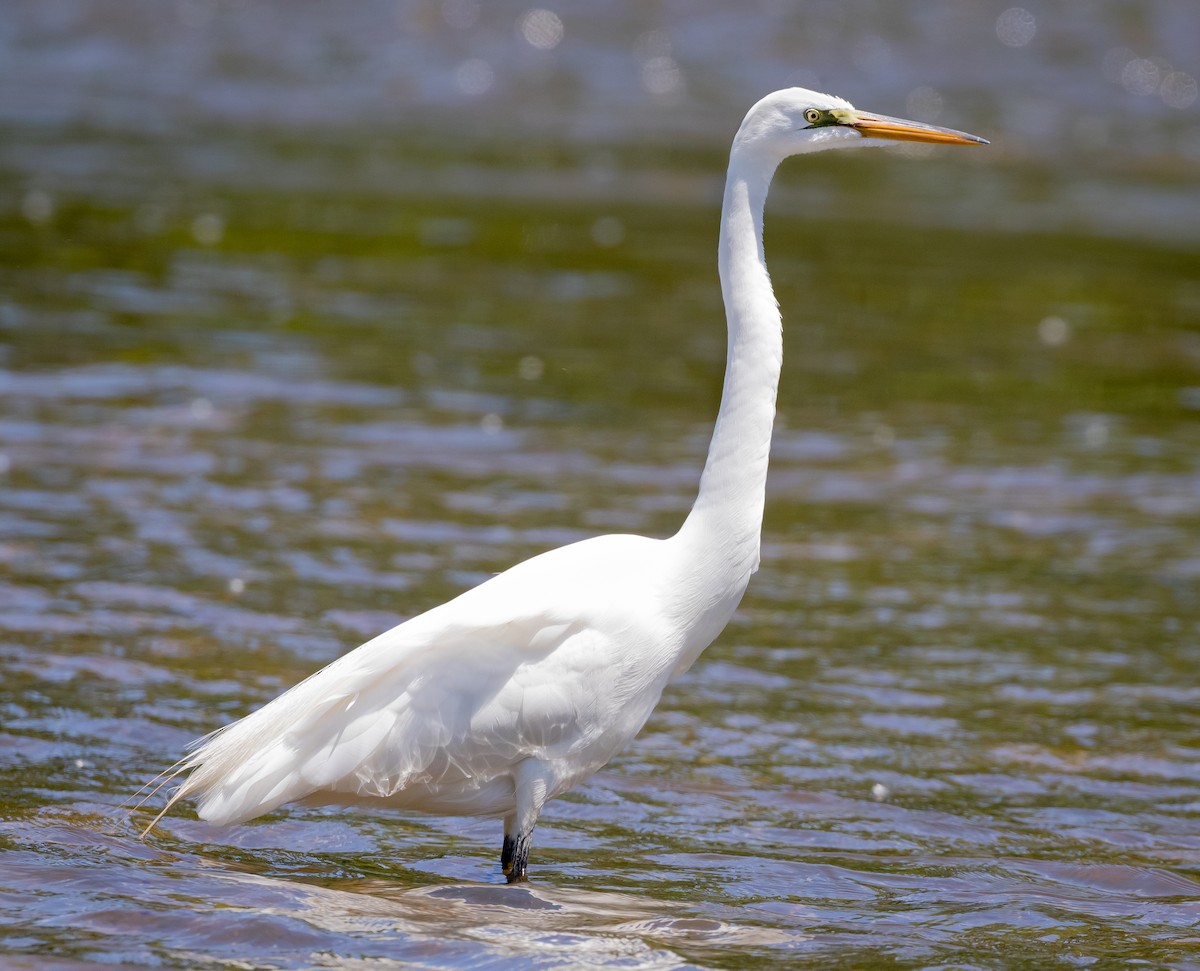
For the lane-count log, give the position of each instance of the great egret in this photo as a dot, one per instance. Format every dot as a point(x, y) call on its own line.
point(520, 688)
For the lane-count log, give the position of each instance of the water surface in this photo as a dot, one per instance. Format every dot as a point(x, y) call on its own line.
point(299, 336)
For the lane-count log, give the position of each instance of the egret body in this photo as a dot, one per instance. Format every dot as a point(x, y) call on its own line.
point(517, 690)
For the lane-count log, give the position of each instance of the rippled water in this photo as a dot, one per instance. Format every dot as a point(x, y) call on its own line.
point(312, 317)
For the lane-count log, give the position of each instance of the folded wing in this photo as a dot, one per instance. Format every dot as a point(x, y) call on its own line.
point(430, 715)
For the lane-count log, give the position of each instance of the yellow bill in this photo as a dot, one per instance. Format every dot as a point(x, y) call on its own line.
point(897, 129)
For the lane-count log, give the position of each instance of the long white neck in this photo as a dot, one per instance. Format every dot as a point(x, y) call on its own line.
point(719, 542)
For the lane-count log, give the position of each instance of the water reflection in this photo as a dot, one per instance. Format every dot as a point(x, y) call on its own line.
point(794, 908)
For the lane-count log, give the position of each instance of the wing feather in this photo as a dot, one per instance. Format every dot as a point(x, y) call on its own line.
point(452, 697)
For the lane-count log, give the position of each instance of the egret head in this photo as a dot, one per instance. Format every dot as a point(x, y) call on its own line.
point(795, 120)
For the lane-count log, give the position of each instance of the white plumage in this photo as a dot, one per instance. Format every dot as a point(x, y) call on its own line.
point(513, 692)
point(434, 713)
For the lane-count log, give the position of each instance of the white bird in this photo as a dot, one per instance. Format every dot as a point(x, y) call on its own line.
point(519, 689)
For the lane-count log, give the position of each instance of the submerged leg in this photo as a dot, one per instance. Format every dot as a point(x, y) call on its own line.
point(514, 856)
point(509, 848)
point(531, 782)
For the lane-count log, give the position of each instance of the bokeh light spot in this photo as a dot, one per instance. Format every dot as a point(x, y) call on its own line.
point(1179, 90)
point(662, 76)
point(208, 229)
point(1016, 27)
point(1054, 331)
point(542, 29)
point(1140, 76)
point(530, 368)
point(37, 206)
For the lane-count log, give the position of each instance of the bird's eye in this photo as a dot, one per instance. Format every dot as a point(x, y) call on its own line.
point(812, 116)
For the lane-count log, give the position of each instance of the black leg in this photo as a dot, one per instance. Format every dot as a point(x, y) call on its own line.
point(506, 853)
point(514, 856)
